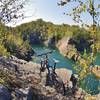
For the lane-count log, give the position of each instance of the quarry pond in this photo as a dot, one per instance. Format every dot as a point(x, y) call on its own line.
point(91, 84)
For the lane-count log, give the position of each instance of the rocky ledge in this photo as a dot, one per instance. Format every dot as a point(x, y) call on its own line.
point(26, 81)
point(68, 49)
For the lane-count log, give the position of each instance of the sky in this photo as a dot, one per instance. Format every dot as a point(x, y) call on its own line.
point(48, 10)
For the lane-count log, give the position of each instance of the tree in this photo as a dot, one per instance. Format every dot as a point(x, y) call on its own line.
point(10, 10)
point(83, 6)
point(80, 7)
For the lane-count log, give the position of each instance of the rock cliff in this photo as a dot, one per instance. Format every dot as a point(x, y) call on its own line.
point(26, 81)
point(67, 49)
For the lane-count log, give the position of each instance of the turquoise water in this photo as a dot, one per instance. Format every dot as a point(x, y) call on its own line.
point(93, 84)
point(97, 59)
point(63, 62)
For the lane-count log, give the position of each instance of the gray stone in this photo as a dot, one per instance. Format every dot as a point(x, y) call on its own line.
point(4, 93)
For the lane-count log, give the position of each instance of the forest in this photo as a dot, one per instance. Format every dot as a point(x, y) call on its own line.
point(41, 31)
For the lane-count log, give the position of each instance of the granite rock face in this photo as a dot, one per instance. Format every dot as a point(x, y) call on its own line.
point(4, 93)
point(67, 49)
point(29, 83)
point(51, 42)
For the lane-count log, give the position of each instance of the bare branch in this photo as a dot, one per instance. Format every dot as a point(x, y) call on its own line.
point(9, 10)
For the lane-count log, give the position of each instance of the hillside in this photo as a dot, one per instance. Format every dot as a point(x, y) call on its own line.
point(17, 41)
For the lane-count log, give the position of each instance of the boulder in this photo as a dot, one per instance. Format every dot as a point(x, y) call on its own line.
point(64, 74)
point(32, 84)
point(98, 97)
point(4, 93)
